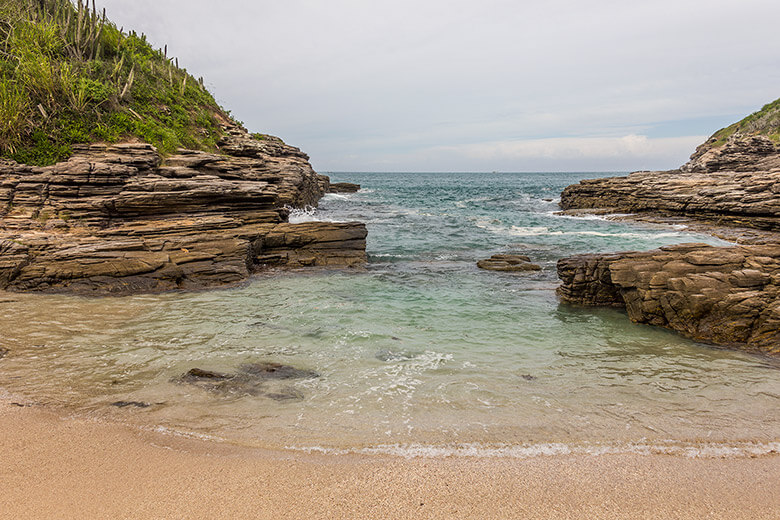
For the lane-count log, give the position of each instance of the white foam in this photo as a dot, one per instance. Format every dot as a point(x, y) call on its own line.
point(524, 451)
point(526, 231)
point(305, 214)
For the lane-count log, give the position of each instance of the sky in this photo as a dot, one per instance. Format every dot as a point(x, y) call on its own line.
point(454, 85)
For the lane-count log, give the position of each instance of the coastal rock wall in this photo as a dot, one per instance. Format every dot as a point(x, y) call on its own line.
point(118, 218)
point(735, 184)
point(727, 296)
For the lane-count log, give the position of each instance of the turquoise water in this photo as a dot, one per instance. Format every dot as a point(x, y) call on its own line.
point(419, 353)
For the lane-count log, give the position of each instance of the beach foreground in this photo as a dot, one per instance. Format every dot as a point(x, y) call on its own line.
point(56, 467)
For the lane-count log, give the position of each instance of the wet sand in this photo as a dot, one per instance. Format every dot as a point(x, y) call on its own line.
point(59, 467)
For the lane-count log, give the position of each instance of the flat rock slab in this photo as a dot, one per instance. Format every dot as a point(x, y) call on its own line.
point(508, 262)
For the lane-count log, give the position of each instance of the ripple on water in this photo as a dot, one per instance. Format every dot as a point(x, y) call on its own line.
point(422, 354)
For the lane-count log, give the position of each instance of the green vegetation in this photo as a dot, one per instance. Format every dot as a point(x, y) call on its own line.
point(68, 75)
point(764, 122)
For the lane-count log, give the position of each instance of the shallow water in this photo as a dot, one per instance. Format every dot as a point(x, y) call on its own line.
point(420, 353)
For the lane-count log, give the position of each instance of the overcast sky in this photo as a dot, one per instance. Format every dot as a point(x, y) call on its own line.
point(435, 85)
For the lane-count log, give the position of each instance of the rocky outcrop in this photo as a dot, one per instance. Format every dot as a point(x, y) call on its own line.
point(737, 183)
point(740, 153)
point(726, 296)
point(508, 262)
point(343, 187)
point(119, 218)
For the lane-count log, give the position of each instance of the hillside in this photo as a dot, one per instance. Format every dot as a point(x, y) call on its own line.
point(763, 122)
point(68, 75)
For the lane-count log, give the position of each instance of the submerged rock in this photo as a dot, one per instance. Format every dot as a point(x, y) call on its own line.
point(508, 262)
point(135, 404)
point(266, 370)
point(251, 379)
point(195, 375)
point(387, 354)
point(286, 394)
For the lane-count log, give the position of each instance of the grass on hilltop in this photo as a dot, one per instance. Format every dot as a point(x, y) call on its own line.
point(763, 122)
point(68, 75)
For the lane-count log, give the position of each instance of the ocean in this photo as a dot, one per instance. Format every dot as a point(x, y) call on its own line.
point(419, 354)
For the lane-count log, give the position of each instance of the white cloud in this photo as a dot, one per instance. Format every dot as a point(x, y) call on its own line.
point(629, 146)
point(390, 80)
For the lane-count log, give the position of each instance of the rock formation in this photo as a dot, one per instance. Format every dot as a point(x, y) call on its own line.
point(727, 296)
point(119, 218)
point(737, 183)
point(343, 187)
point(508, 262)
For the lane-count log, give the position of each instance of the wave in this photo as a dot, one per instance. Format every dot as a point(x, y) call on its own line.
point(525, 231)
point(305, 214)
point(525, 451)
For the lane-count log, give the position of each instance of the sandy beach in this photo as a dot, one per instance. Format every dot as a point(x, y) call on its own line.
point(60, 467)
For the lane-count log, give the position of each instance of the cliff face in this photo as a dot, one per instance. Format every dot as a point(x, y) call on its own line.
point(733, 178)
point(724, 295)
point(735, 184)
point(117, 218)
point(727, 296)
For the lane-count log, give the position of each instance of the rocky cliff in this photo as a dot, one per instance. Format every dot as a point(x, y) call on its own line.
point(119, 218)
point(733, 179)
point(723, 295)
point(735, 184)
point(727, 296)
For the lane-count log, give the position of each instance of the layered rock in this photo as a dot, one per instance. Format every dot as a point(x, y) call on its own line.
point(736, 183)
point(343, 187)
point(119, 218)
point(727, 296)
point(508, 262)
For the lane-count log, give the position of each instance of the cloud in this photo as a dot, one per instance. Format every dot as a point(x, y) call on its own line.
point(629, 146)
point(391, 80)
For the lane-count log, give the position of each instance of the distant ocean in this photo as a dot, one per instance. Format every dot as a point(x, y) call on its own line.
point(421, 353)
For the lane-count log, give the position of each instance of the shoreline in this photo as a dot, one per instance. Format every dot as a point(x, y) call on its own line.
point(110, 470)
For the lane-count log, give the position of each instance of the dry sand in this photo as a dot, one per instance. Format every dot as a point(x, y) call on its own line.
point(56, 467)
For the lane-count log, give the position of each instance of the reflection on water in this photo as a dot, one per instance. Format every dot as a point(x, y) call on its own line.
point(421, 349)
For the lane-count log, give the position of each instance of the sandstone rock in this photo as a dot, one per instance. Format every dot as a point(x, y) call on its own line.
point(727, 296)
point(118, 219)
point(508, 262)
point(737, 184)
point(343, 187)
